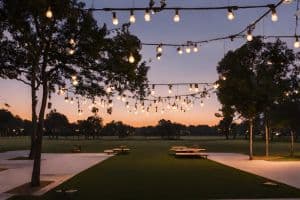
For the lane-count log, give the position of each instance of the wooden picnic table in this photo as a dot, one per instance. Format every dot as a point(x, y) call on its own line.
point(189, 150)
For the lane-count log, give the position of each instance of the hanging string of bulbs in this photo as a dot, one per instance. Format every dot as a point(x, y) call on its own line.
point(153, 103)
point(191, 46)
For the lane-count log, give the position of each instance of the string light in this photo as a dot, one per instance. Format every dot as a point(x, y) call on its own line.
point(179, 50)
point(72, 42)
point(147, 15)
point(188, 49)
point(296, 43)
point(170, 89)
point(159, 48)
point(71, 51)
point(131, 58)
point(287, 1)
point(195, 49)
point(191, 87)
point(230, 14)
point(153, 90)
point(49, 13)
point(249, 35)
point(115, 20)
point(196, 88)
point(176, 16)
point(158, 56)
point(132, 17)
point(201, 103)
point(274, 16)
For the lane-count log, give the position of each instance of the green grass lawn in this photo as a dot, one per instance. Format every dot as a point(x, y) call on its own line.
point(149, 172)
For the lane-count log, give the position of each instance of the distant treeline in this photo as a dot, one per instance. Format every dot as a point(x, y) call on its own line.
point(57, 124)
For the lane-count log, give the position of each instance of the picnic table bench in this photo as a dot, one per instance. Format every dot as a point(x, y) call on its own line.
point(191, 155)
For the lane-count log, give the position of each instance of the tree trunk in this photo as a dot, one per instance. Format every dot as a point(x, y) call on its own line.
point(35, 178)
point(267, 138)
point(250, 139)
point(292, 144)
point(33, 115)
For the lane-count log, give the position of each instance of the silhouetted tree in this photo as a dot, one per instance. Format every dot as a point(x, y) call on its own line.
point(44, 52)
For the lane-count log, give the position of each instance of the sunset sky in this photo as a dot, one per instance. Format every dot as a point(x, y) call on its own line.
point(193, 67)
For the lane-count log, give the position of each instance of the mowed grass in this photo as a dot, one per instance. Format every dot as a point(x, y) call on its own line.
point(149, 172)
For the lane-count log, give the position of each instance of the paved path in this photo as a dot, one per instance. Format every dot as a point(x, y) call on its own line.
point(55, 167)
point(287, 172)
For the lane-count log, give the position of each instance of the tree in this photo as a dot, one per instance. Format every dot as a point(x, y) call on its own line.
point(256, 77)
point(47, 51)
point(56, 123)
point(273, 78)
point(117, 128)
point(226, 122)
point(238, 88)
point(91, 126)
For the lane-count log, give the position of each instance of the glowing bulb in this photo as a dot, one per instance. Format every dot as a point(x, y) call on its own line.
point(75, 82)
point(287, 1)
point(108, 89)
point(131, 58)
point(230, 14)
point(195, 49)
point(249, 36)
point(188, 49)
point(274, 16)
point(147, 15)
point(132, 17)
point(71, 51)
point(159, 49)
point(74, 77)
point(201, 104)
point(115, 20)
point(49, 13)
point(176, 16)
point(158, 56)
point(72, 42)
point(297, 43)
point(179, 51)
point(216, 85)
point(153, 90)
point(170, 89)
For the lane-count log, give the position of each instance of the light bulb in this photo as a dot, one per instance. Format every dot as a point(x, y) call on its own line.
point(195, 49)
point(201, 104)
point(249, 36)
point(49, 13)
point(131, 58)
point(179, 50)
point(159, 49)
point(170, 89)
point(115, 20)
point(147, 15)
point(297, 43)
point(216, 85)
point(72, 42)
point(287, 1)
point(188, 49)
point(132, 17)
point(75, 82)
point(71, 51)
point(230, 14)
point(176, 16)
point(274, 16)
point(74, 77)
point(158, 56)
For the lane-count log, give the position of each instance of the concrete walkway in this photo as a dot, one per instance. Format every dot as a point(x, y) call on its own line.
point(55, 167)
point(287, 172)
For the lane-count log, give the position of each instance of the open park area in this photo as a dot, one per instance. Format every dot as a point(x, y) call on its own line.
point(150, 172)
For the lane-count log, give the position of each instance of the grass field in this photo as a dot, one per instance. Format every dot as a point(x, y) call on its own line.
point(148, 172)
